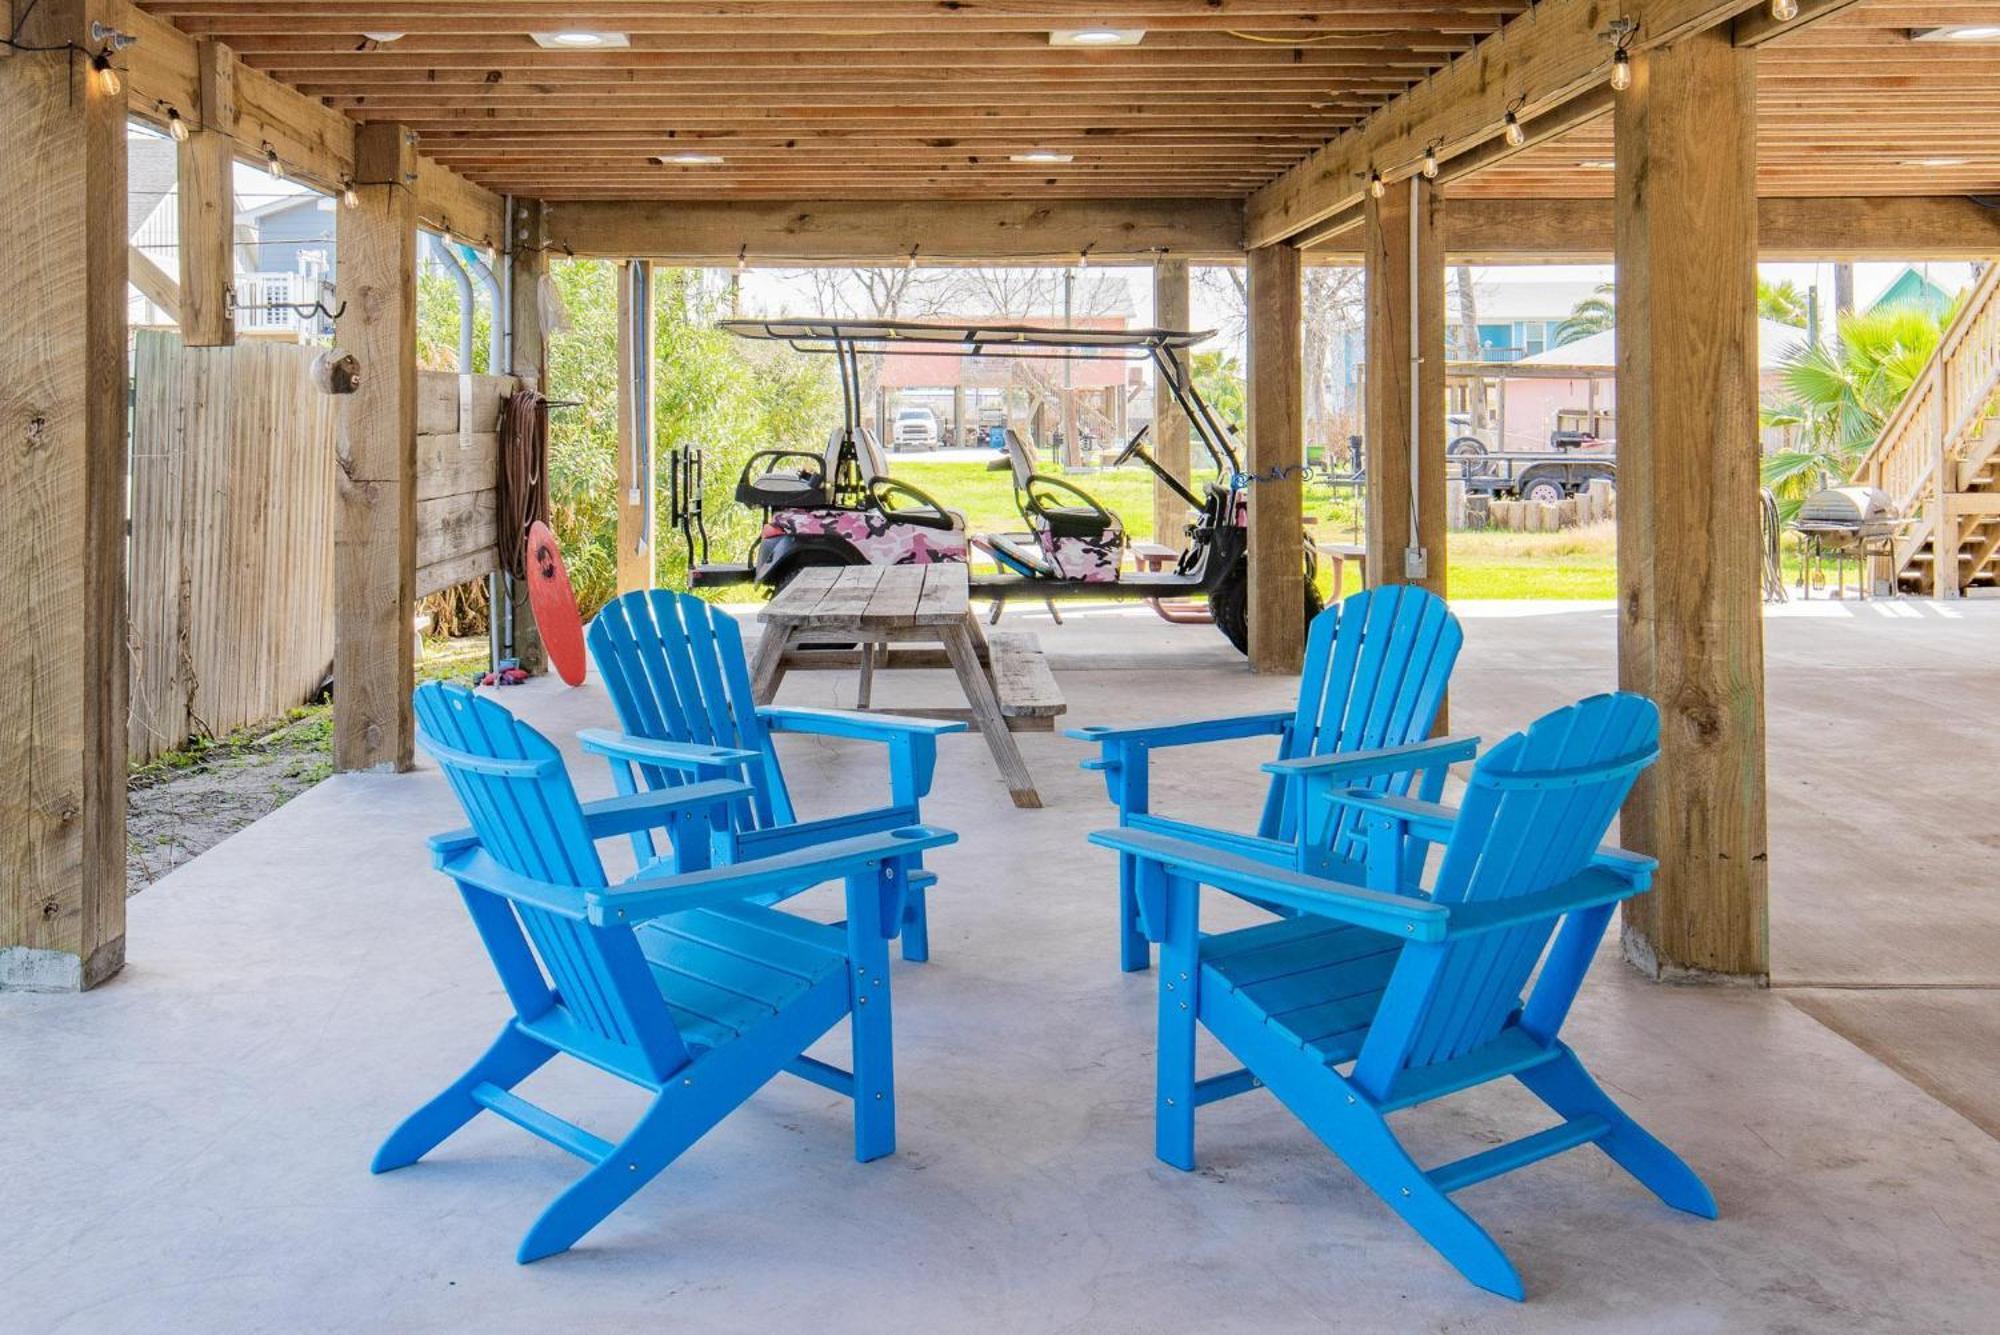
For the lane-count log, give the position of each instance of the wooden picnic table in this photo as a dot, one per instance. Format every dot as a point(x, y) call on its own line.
point(916, 616)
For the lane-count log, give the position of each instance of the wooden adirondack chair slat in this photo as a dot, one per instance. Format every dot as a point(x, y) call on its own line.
point(1419, 1015)
point(701, 1005)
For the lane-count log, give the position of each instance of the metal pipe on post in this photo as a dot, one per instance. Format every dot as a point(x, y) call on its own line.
point(441, 251)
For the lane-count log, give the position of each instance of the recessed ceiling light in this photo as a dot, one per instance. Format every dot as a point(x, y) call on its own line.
point(1598, 164)
point(1042, 155)
point(384, 37)
point(1097, 36)
point(1934, 162)
point(690, 159)
point(1968, 32)
point(576, 39)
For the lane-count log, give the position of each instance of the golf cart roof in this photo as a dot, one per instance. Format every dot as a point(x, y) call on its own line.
point(924, 338)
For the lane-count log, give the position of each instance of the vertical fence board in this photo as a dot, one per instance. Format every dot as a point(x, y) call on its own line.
point(231, 550)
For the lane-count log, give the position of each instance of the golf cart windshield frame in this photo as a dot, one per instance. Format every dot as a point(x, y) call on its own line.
point(848, 339)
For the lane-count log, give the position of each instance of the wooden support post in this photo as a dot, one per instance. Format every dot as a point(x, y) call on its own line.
point(528, 360)
point(375, 528)
point(1404, 431)
point(1171, 310)
point(63, 659)
point(1277, 454)
point(1690, 632)
point(1945, 525)
point(207, 204)
point(636, 468)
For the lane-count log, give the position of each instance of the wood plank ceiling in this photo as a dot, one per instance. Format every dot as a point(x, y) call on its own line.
point(920, 99)
point(1853, 105)
point(856, 98)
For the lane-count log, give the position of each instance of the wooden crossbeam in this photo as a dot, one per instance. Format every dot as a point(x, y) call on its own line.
point(1579, 231)
point(854, 232)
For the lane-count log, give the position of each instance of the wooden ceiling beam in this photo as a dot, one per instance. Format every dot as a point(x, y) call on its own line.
point(1579, 231)
point(1533, 65)
point(858, 231)
point(313, 141)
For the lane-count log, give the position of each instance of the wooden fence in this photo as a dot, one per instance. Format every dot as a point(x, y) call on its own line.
point(231, 550)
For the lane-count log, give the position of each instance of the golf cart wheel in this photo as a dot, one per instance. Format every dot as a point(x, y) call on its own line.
point(1469, 453)
point(1229, 604)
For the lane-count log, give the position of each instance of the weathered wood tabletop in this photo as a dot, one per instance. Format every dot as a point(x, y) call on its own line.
point(877, 617)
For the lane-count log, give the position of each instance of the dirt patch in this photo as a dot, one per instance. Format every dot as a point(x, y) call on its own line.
point(190, 800)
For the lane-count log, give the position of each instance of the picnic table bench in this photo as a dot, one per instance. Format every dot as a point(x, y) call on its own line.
point(920, 616)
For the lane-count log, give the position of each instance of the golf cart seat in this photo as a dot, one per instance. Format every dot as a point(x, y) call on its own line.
point(1072, 535)
point(868, 454)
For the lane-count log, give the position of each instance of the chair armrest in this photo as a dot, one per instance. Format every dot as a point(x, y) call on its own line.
point(1636, 868)
point(1344, 765)
point(853, 723)
point(1588, 889)
point(473, 865)
point(1394, 915)
point(614, 816)
point(653, 896)
point(1431, 821)
point(912, 742)
point(684, 756)
point(1190, 732)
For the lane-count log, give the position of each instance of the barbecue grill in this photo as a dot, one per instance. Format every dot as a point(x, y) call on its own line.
point(1845, 523)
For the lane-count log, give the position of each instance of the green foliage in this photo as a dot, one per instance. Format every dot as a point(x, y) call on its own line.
point(1219, 378)
point(1782, 302)
point(712, 390)
point(1838, 398)
point(1593, 315)
point(438, 324)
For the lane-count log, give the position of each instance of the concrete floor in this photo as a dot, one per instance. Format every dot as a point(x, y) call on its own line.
point(186, 1148)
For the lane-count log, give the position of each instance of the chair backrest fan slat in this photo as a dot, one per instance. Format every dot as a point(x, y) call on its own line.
point(528, 820)
point(1537, 808)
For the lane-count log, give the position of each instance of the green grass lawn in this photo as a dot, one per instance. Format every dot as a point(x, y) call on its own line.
point(1576, 563)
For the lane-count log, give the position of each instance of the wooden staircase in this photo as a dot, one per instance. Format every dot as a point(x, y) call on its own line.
point(1938, 459)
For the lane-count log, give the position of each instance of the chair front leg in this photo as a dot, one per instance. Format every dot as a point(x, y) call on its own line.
point(1135, 955)
point(1179, 1012)
point(916, 926)
point(869, 1012)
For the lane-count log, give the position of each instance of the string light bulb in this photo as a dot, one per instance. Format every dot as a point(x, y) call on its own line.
point(1430, 162)
point(107, 78)
point(1376, 189)
point(349, 195)
point(272, 164)
point(1784, 11)
point(176, 126)
point(1621, 70)
point(1510, 129)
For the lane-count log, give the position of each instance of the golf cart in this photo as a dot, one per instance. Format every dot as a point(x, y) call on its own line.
point(840, 506)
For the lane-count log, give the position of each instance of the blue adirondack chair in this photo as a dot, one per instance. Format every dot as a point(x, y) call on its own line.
point(680, 983)
point(1419, 997)
point(1374, 677)
point(675, 669)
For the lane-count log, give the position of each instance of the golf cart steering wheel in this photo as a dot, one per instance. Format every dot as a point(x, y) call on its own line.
point(1131, 447)
point(918, 507)
point(1035, 494)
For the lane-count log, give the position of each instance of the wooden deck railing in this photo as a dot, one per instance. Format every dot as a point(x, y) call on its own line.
point(1918, 456)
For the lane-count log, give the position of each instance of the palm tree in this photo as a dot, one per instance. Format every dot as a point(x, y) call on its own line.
point(1782, 302)
point(1593, 315)
point(1840, 396)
